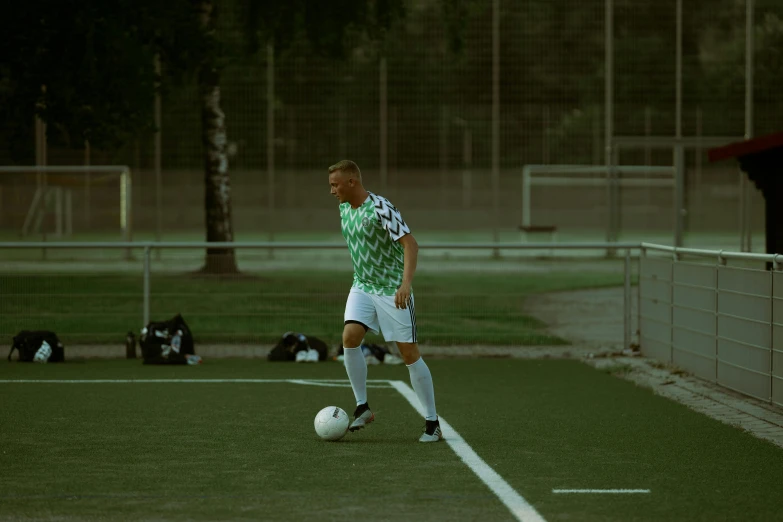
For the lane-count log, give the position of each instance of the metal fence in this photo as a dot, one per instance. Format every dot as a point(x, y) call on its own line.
point(722, 323)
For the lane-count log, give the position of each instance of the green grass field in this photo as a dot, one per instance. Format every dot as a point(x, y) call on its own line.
point(453, 307)
point(247, 451)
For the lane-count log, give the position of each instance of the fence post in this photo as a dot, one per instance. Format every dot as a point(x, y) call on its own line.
point(675, 258)
point(639, 299)
point(146, 298)
point(627, 302)
point(717, 311)
point(772, 329)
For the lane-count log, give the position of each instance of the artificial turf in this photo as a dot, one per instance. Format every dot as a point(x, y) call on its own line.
point(247, 450)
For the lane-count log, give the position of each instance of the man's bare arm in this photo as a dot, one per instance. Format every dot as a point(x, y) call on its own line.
point(411, 248)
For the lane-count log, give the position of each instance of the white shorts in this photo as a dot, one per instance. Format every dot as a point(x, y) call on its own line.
point(378, 312)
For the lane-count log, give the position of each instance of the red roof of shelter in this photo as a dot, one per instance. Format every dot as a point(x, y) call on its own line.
point(745, 147)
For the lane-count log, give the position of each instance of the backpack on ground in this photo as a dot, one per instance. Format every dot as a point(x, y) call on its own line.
point(166, 342)
point(294, 346)
point(38, 346)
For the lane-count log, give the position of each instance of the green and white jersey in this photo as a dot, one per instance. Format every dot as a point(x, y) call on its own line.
point(372, 231)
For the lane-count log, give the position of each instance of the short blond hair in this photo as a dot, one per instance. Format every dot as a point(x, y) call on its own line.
point(346, 167)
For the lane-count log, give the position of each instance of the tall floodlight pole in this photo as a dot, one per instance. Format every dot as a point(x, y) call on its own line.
point(157, 160)
point(749, 69)
point(746, 243)
point(270, 137)
point(87, 182)
point(496, 119)
point(679, 159)
point(609, 113)
point(42, 149)
point(384, 125)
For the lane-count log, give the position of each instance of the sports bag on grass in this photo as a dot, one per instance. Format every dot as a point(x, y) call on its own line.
point(38, 346)
point(288, 348)
point(166, 342)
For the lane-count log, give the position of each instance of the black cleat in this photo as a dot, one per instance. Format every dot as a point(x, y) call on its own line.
point(432, 432)
point(362, 417)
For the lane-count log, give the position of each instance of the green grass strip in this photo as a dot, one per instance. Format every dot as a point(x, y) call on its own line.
point(452, 307)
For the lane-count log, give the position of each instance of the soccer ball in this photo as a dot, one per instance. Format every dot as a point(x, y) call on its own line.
point(331, 423)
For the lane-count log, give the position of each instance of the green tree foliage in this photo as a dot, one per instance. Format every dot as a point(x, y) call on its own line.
point(87, 68)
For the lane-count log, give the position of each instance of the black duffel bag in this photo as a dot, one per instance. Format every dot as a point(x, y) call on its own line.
point(166, 342)
point(38, 346)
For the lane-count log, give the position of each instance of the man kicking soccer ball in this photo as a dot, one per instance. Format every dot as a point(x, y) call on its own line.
point(384, 259)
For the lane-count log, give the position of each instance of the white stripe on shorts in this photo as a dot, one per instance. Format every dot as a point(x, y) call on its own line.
point(412, 309)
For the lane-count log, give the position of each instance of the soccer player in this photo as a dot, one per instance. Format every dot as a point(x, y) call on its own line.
point(384, 255)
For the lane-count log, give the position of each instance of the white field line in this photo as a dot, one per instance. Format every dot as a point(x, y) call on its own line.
point(601, 491)
point(337, 384)
point(518, 506)
point(309, 382)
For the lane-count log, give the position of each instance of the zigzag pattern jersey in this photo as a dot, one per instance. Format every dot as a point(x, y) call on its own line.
point(372, 231)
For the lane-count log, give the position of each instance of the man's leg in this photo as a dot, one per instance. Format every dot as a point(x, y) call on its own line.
point(421, 379)
point(360, 316)
point(355, 365)
point(399, 325)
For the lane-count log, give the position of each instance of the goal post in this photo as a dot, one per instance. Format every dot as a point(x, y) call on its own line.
point(639, 176)
point(54, 188)
point(678, 146)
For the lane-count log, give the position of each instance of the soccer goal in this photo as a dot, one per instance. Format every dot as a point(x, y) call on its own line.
point(589, 176)
point(52, 190)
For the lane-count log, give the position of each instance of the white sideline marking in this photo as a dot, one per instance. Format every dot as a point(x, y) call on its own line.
point(135, 381)
point(609, 491)
point(337, 384)
point(518, 506)
point(309, 382)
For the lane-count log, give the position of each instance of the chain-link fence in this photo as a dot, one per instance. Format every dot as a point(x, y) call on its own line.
point(415, 112)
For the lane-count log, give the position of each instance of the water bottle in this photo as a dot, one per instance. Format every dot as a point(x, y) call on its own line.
point(176, 341)
point(130, 346)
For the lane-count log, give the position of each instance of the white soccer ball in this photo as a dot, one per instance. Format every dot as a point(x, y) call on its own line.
point(331, 423)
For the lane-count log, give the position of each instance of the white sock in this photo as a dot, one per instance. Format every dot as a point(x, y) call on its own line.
point(421, 379)
point(356, 367)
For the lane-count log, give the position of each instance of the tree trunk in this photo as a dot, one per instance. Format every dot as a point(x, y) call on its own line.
point(217, 182)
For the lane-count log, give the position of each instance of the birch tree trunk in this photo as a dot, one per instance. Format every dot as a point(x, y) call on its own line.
point(217, 182)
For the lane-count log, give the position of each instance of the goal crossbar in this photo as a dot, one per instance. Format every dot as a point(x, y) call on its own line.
point(663, 177)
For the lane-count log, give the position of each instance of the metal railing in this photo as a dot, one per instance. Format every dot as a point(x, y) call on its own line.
point(721, 323)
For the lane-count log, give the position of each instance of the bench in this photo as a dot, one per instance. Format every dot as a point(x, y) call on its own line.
point(529, 231)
